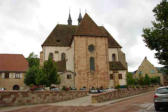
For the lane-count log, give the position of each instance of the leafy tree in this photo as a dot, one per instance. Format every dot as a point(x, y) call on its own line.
point(130, 79)
point(147, 80)
point(156, 37)
point(30, 77)
point(50, 72)
point(41, 78)
point(33, 60)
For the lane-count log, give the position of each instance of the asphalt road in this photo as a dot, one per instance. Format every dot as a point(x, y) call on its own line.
point(141, 103)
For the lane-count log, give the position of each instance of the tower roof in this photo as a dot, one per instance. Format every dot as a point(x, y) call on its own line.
point(88, 27)
point(79, 18)
point(69, 20)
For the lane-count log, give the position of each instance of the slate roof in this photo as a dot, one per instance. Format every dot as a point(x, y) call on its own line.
point(62, 35)
point(116, 65)
point(13, 63)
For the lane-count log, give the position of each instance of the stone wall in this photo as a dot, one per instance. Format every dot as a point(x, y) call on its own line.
point(13, 98)
point(119, 94)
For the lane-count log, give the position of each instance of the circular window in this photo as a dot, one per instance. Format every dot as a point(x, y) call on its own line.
point(91, 48)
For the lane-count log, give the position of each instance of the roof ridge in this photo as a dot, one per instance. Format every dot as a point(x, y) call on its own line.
point(88, 27)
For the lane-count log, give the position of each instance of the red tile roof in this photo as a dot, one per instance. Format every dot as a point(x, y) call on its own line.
point(88, 27)
point(13, 63)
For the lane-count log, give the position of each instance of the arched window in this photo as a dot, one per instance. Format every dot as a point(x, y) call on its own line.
point(51, 55)
point(113, 57)
point(63, 56)
point(92, 64)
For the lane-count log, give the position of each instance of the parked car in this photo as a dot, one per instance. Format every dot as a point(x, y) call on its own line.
point(55, 89)
point(161, 98)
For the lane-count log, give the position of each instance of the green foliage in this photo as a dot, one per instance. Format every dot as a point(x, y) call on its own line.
point(130, 79)
point(156, 37)
point(31, 75)
point(37, 75)
point(33, 60)
point(50, 72)
point(141, 80)
point(147, 80)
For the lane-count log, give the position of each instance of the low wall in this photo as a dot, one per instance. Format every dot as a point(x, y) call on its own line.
point(97, 98)
point(13, 98)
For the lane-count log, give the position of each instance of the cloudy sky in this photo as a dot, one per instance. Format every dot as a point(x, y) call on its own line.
point(25, 24)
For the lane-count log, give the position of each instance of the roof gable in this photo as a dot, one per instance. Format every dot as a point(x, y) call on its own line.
point(13, 63)
point(88, 27)
point(62, 35)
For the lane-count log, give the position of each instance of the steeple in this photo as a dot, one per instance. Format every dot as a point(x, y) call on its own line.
point(69, 19)
point(79, 18)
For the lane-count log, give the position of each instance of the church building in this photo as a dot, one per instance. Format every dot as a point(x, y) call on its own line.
point(86, 55)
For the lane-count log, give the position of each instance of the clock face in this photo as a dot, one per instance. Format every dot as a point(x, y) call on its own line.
point(91, 48)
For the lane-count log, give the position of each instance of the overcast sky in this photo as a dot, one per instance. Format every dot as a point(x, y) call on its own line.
point(25, 24)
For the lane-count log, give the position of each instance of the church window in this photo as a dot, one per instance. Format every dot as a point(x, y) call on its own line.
point(92, 64)
point(51, 55)
point(6, 75)
point(120, 76)
point(91, 48)
point(63, 56)
point(113, 57)
point(111, 76)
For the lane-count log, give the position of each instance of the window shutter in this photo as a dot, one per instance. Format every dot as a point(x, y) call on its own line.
point(3, 75)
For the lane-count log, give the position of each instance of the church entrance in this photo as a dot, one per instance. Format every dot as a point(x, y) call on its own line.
point(16, 87)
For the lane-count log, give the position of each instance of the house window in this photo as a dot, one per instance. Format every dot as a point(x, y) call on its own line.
point(17, 76)
point(120, 76)
point(63, 56)
point(113, 57)
point(92, 64)
point(7, 75)
point(51, 55)
point(69, 76)
point(111, 76)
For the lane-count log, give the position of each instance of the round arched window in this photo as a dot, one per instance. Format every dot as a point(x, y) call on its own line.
point(91, 48)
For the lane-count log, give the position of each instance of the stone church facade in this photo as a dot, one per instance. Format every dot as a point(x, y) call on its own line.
point(85, 53)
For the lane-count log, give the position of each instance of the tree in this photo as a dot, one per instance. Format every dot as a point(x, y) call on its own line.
point(33, 60)
point(147, 80)
point(130, 79)
point(30, 77)
point(50, 73)
point(156, 37)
